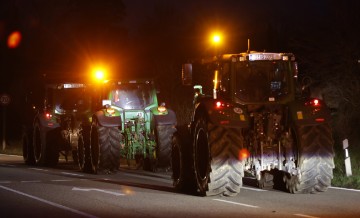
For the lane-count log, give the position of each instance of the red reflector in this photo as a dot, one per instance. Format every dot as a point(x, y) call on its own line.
point(243, 154)
point(320, 120)
point(224, 122)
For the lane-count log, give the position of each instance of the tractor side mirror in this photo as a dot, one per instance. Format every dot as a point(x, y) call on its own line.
point(186, 74)
point(305, 86)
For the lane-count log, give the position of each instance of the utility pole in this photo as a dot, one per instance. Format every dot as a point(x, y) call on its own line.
point(4, 101)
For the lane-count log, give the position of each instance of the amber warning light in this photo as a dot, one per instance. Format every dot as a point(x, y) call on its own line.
point(14, 39)
point(244, 154)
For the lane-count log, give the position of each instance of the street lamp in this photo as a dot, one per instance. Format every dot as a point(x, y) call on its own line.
point(99, 74)
point(216, 39)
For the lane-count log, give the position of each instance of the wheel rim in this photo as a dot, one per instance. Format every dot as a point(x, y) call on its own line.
point(37, 145)
point(25, 148)
point(176, 160)
point(94, 147)
point(201, 155)
point(81, 152)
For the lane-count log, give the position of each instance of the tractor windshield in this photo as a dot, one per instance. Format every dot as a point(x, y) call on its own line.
point(260, 81)
point(70, 100)
point(132, 96)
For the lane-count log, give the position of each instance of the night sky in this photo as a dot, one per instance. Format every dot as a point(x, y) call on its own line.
point(63, 38)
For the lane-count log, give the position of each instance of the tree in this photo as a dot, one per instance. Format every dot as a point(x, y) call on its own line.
point(329, 53)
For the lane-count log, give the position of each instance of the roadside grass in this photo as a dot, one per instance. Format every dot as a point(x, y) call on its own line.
point(13, 147)
point(340, 179)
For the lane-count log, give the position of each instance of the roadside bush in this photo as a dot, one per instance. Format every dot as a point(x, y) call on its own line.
point(340, 178)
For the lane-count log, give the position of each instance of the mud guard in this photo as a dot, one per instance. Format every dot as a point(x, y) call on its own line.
point(304, 114)
point(107, 121)
point(228, 116)
point(166, 119)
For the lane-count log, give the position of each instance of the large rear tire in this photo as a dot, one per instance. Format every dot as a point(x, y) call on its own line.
point(84, 152)
point(105, 148)
point(181, 162)
point(45, 146)
point(315, 160)
point(218, 170)
point(28, 150)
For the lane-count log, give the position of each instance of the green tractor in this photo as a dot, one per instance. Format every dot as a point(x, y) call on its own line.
point(252, 118)
point(57, 124)
point(130, 125)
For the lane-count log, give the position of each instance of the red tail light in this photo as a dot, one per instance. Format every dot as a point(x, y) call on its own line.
point(48, 115)
point(316, 102)
point(221, 104)
point(313, 102)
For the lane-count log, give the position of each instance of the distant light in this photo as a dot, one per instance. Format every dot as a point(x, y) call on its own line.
point(14, 39)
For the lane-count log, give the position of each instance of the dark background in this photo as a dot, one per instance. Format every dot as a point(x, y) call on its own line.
point(136, 39)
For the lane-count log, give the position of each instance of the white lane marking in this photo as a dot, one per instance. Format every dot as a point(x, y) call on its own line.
point(149, 177)
point(5, 182)
point(49, 202)
point(72, 174)
point(10, 155)
point(62, 180)
point(236, 203)
point(8, 165)
point(254, 189)
point(30, 181)
point(99, 190)
point(303, 215)
point(346, 189)
point(38, 169)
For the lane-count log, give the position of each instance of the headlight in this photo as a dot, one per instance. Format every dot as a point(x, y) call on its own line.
point(162, 108)
point(110, 111)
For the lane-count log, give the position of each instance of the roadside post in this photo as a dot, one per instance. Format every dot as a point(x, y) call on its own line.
point(4, 101)
point(347, 158)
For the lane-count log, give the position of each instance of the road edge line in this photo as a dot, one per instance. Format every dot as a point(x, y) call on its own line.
point(49, 202)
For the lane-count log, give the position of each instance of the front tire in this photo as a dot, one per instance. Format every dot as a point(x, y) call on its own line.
point(105, 148)
point(163, 145)
point(315, 160)
point(218, 170)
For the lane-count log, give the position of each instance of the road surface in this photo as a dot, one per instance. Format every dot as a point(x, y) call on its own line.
point(64, 191)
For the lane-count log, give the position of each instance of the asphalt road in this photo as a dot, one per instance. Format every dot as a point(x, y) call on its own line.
point(66, 192)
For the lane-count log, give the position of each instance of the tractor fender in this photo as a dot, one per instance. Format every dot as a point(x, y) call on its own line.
point(165, 119)
point(109, 121)
point(45, 123)
point(228, 116)
point(303, 113)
